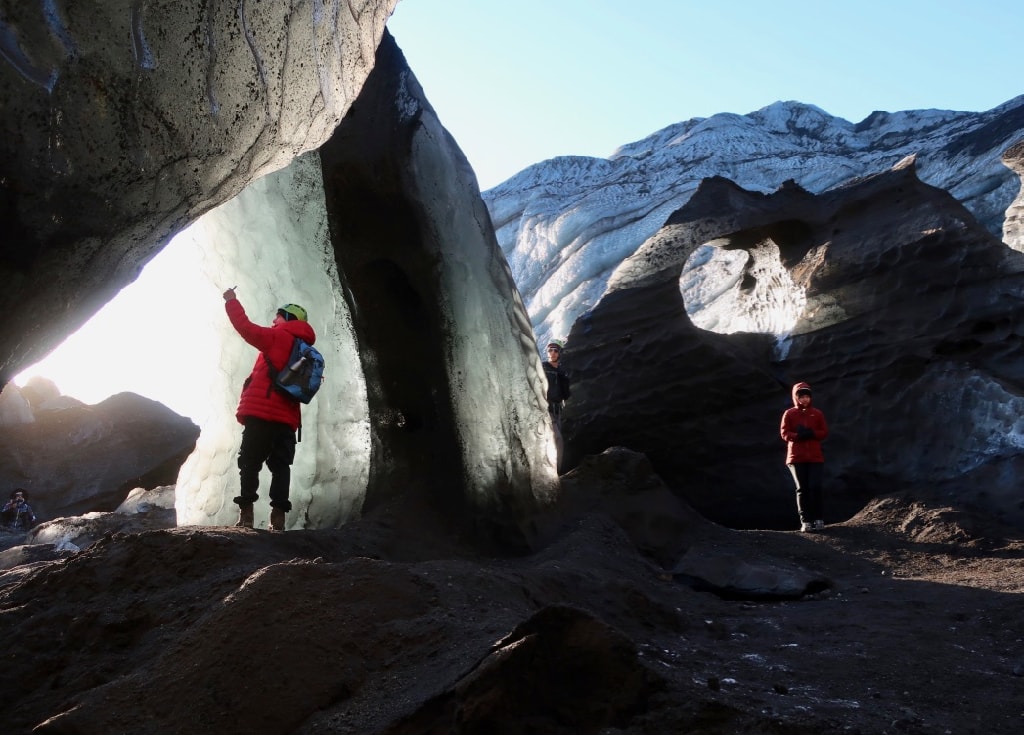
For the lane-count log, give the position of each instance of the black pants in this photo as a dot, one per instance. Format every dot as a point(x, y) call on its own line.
point(273, 443)
point(17, 518)
point(555, 411)
point(809, 502)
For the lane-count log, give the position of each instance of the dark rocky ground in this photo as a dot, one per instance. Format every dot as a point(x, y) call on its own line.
point(395, 624)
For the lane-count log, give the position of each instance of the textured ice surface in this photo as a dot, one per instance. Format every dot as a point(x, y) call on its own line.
point(565, 224)
point(271, 241)
point(711, 285)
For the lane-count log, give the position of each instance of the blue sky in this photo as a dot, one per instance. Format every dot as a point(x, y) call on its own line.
point(520, 82)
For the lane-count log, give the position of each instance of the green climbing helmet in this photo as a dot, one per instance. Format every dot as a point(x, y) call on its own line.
point(293, 311)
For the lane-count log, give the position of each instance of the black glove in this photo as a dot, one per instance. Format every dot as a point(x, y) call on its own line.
point(803, 432)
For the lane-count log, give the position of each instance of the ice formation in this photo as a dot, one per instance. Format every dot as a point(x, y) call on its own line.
point(433, 385)
point(455, 386)
point(271, 241)
point(714, 288)
point(565, 224)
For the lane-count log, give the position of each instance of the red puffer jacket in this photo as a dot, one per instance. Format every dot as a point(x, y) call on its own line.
point(803, 450)
point(259, 397)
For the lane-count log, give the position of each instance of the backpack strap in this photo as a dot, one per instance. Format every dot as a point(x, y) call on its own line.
point(270, 387)
point(273, 373)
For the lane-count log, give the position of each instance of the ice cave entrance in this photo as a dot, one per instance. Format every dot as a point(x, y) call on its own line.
point(272, 243)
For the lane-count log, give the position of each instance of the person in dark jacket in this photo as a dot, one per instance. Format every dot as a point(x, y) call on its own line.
point(17, 513)
point(558, 392)
point(270, 417)
point(803, 428)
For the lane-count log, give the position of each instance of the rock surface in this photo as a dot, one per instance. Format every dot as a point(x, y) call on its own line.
point(76, 533)
point(85, 458)
point(908, 331)
point(392, 625)
point(21, 553)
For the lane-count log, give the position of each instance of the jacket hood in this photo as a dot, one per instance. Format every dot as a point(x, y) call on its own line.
point(299, 329)
point(801, 386)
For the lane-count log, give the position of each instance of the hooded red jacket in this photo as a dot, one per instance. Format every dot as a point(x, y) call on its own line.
point(803, 450)
point(259, 397)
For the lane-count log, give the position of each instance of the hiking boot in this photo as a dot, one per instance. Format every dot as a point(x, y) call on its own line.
point(819, 525)
point(244, 516)
point(276, 519)
point(805, 527)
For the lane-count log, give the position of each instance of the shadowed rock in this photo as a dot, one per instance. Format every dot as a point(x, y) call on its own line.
point(909, 334)
point(392, 625)
point(454, 385)
point(561, 671)
point(622, 485)
point(87, 458)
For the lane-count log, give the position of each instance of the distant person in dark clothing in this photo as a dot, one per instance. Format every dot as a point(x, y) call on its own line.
point(270, 417)
point(803, 429)
point(17, 513)
point(558, 392)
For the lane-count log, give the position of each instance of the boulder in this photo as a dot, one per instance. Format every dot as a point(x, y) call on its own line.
point(87, 458)
point(622, 485)
point(76, 533)
point(733, 577)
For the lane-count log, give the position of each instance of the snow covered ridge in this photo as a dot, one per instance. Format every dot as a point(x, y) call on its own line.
point(566, 223)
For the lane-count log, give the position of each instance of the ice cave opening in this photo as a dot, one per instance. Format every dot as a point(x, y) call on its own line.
point(741, 290)
point(272, 243)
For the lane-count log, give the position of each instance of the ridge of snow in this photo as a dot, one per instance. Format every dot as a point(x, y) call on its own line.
point(564, 224)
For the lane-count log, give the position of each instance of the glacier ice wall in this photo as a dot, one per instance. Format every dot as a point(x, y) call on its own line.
point(565, 224)
point(454, 384)
point(1013, 227)
point(271, 241)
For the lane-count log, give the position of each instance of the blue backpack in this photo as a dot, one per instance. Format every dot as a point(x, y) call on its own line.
point(303, 374)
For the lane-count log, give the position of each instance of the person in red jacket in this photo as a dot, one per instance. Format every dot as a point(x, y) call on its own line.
point(270, 417)
point(803, 429)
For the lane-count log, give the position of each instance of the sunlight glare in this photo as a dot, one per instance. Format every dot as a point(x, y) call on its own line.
point(142, 340)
